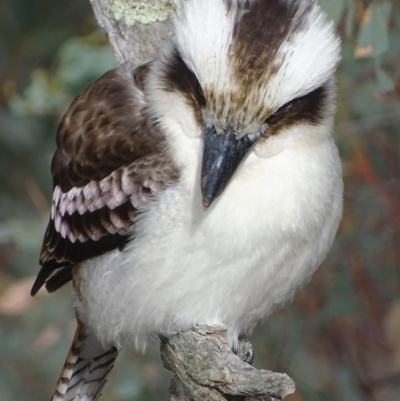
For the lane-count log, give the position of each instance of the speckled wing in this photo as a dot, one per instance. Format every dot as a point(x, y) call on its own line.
point(109, 162)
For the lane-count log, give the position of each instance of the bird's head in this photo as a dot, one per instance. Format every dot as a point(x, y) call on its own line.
point(239, 72)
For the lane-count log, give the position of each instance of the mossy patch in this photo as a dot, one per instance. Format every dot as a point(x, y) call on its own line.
point(143, 11)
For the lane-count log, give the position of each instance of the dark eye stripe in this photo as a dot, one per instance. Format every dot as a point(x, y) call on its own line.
point(305, 108)
point(178, 76)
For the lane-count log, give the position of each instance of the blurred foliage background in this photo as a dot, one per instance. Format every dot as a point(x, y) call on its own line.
point(339, 340)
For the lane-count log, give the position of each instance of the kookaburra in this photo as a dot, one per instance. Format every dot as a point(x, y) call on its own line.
point(201, 188)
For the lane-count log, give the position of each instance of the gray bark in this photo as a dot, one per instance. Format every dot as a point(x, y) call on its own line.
point(136, 28)
point(205, 367)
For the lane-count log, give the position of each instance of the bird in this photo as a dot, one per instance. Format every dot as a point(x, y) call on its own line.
point(203, 187)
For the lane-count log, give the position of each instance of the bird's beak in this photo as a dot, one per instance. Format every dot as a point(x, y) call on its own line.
point(222, 155)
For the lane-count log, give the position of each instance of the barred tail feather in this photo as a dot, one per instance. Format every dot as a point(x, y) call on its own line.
point(85, 370)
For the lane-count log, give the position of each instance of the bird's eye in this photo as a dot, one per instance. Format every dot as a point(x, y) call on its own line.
point(278, 113)
point(200, 96)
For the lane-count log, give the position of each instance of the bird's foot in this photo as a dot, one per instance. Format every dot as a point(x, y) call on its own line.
point(241, 347)
point(244, 351)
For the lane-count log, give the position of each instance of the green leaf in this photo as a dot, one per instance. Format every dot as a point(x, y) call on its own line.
point(386, 9)
point(334, 9)
point(81, 61)
point(385, 83)
point(373, 37)
point(349, 21)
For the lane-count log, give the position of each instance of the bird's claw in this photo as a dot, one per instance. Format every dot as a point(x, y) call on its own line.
point(244, 350)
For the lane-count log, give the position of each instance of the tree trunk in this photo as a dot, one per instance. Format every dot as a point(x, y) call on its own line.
point(205, 367)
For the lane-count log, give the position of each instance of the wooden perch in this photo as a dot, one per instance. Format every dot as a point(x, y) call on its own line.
point(205, 368)
point(131, 38)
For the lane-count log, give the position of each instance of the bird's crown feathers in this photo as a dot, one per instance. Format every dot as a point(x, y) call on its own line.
point(256, 53)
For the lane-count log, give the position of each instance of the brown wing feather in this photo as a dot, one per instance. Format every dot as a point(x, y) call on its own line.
point(105, 127)
point(109, 161)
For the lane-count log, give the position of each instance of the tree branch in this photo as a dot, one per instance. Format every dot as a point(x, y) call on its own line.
point(136, 28)
point(205, 368)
